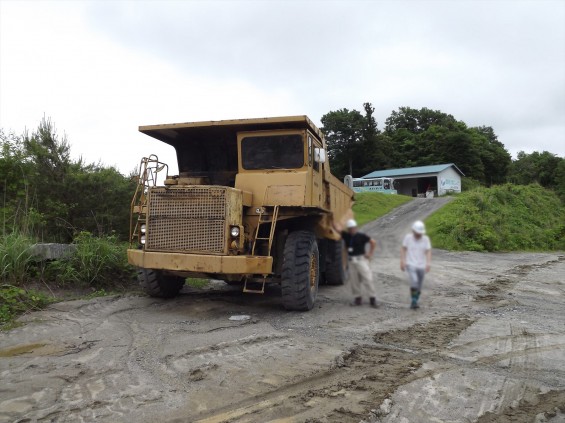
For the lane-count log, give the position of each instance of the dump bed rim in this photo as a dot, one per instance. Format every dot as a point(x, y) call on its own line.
point(171, 132)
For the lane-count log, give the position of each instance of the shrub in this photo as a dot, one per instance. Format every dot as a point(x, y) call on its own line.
point(469, 184)
point(97, 262)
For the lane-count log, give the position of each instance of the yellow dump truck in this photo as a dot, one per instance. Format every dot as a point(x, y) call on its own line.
point(254, 203)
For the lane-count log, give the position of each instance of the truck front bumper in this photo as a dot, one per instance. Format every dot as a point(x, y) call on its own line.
point(200, 263)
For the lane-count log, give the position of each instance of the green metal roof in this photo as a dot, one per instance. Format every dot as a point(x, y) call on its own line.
point(407, 171)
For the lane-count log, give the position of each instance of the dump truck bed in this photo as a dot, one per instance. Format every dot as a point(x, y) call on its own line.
point(178, 133)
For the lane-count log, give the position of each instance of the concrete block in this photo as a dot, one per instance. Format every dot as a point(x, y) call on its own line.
point(53, 251)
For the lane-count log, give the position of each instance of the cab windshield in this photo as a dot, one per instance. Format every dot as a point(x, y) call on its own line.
point(272, 152)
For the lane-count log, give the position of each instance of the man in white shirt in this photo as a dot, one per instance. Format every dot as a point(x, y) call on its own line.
point(415, 259)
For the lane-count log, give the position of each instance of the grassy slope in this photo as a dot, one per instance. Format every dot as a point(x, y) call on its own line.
point(501, 218)
point(372, 205)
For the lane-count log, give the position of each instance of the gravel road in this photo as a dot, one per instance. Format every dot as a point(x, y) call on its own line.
point(487, 345)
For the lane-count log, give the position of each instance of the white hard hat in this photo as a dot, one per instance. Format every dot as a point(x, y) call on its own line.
point(351, 223)
point(419, 227)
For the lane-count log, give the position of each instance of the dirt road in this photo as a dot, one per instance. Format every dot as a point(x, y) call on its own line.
point(488, 345)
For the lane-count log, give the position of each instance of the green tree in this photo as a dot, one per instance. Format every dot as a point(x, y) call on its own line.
point(50, 161)
point(560, 180)
point(355, 144)
point(463, 150)
point(46, 193)
point(403, 148)
point(343, 130)
point(105, 209)
point(419, 137)
point(375, 149)
point(418, 121)
point(425, 136)
point(535, 167)
point(16, 173)
point(370, 128)
point(494, 156)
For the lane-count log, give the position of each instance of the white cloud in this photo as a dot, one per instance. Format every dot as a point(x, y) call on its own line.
point(99, 92)
point(101, 69)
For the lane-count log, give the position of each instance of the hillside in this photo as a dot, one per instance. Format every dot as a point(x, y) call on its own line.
point(372, 205)
point(502, 218)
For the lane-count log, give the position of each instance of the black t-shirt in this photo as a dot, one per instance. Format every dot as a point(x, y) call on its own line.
point(355, 244)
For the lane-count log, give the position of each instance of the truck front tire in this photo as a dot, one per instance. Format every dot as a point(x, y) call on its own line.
point(157, 284)
point(336, 263)
point(300, 271)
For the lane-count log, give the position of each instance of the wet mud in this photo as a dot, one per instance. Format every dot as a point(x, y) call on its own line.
point(487, 345)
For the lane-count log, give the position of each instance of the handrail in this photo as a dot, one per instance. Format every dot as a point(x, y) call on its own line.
point(149, 169)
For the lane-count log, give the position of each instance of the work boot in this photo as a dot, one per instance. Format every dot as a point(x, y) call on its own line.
point(414, 293)
point(356, 301)
point(373, 302)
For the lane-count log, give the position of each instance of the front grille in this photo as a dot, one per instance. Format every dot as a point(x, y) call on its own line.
point(187, 219)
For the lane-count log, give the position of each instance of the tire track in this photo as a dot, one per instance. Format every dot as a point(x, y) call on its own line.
point(347, 392)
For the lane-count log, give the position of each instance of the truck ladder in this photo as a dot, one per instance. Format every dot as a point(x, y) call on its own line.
point(263, 219)
point(147, 178)
point(273, 222)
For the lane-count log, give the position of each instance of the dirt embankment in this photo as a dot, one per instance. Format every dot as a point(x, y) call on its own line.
point(487, 345)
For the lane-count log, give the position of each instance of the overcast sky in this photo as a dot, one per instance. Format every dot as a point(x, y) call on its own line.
point(99, 69)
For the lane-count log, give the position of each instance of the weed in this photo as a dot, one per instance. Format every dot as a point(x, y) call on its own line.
point(15, 301)
point(197, 282)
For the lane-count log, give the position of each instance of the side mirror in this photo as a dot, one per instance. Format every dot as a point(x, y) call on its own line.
point(319, 155)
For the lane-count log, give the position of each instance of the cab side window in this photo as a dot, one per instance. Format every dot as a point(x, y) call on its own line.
point(310, 150)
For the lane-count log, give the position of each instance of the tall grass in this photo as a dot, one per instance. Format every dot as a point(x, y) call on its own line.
point(17, 268)
point(15, 258)
point(502, 218)
point(97, 262)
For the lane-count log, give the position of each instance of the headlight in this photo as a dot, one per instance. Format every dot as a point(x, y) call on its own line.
point(142, 239)
point(143, 228)
point(234, 231)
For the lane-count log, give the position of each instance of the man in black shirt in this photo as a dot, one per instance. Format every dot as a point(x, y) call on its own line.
point(360, 274)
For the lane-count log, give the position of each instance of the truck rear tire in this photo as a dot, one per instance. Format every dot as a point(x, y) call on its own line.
point(300, 271)
point(336, 262)
point(157, 284)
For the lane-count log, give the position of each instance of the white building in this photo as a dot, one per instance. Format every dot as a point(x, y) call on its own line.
point(441, 179)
